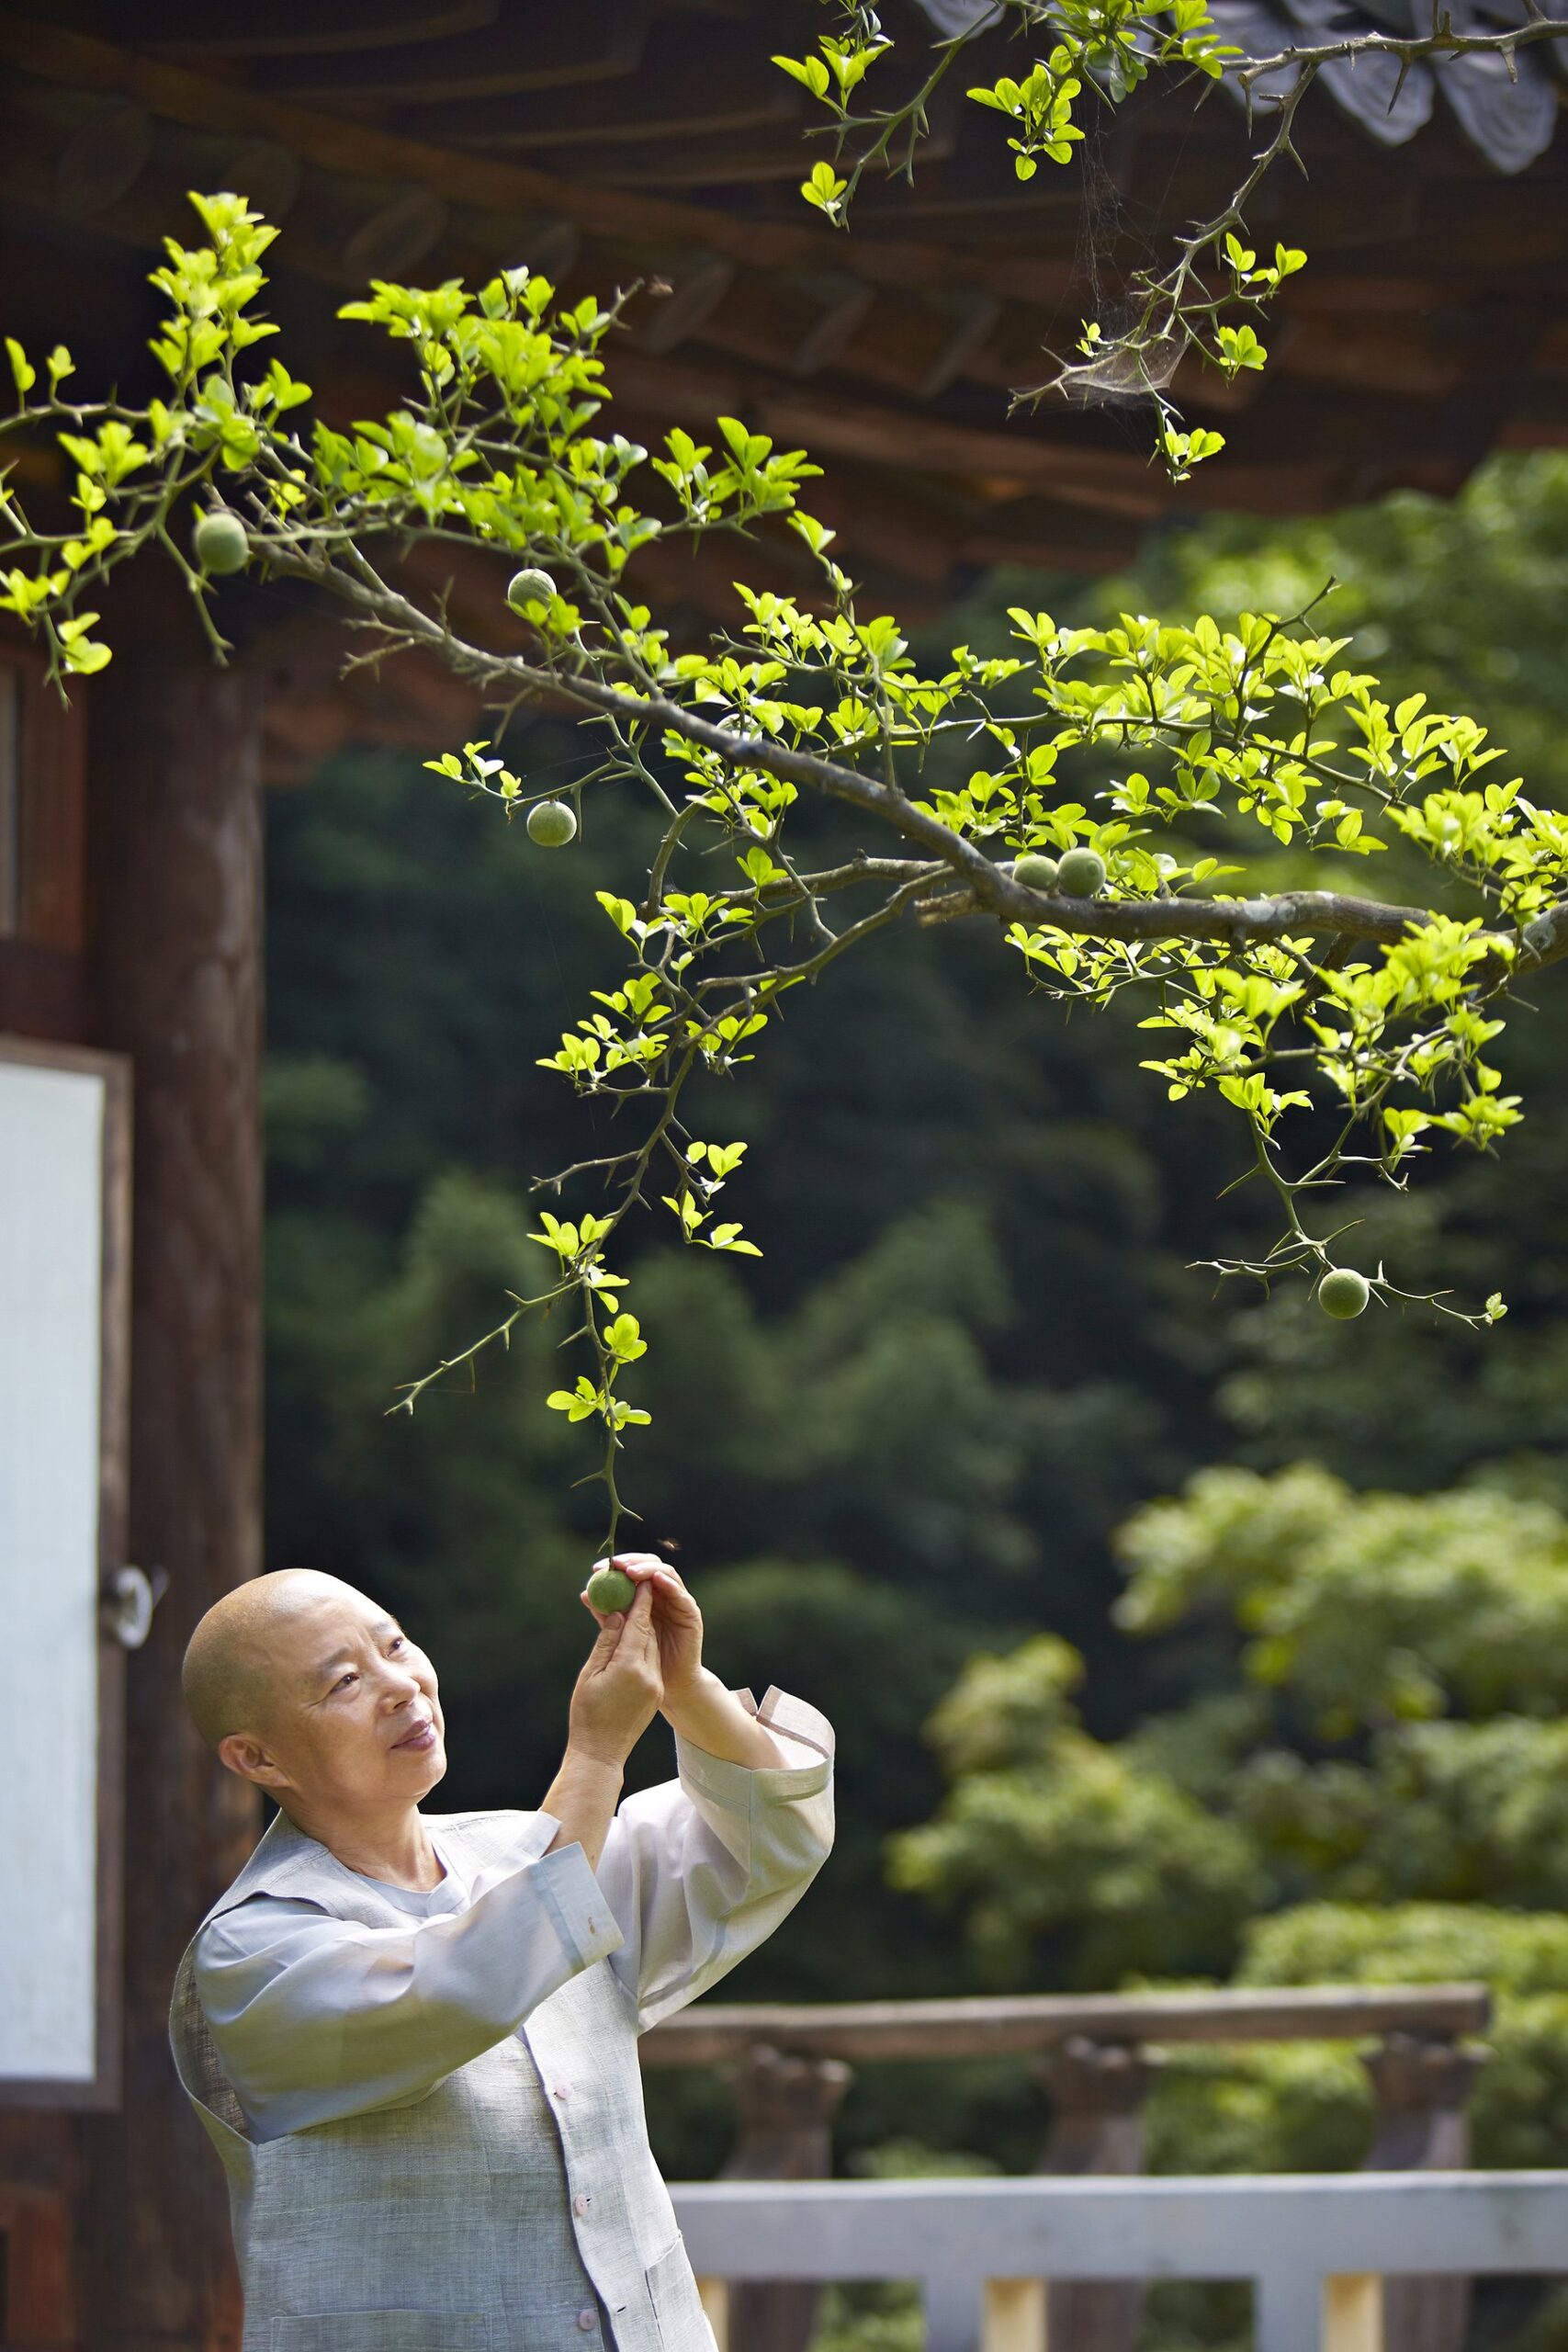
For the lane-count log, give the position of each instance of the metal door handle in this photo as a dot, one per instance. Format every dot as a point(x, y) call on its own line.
point(128, 1598)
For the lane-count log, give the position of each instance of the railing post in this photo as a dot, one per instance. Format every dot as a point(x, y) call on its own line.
point(1096, 2090)
point(1353, 2312)
point(954, 2309)
point(1422, 2084)
point(714, 2296)
point(786, 2107)
point(1014, 2316)
point(1289, 2310)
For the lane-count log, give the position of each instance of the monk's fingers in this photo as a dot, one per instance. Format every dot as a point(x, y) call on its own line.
point(609, 1623)
point(637, 1620)
point(675, 1603)
point(637, 1631)
point(636, 1565)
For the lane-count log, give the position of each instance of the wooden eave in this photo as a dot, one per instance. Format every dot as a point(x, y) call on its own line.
point(425, 139)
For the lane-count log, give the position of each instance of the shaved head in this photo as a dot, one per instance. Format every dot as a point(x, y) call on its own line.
point(231, 1661)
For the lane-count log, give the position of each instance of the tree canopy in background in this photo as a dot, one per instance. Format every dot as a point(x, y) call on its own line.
point(973, 1352)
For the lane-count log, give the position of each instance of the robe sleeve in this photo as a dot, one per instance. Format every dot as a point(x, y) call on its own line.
point(701, 1870)
point(316, 2017)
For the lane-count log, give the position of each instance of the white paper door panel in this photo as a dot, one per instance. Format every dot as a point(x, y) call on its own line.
point(52, 1224)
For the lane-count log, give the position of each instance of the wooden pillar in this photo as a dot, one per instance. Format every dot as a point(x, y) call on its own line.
point(1422, 2084)
point(786, 2108)
point(175, 925)
point(40, 2190)
point(1096, 2090)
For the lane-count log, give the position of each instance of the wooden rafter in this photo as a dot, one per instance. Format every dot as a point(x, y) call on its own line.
point(335, 145)
point(439, 142)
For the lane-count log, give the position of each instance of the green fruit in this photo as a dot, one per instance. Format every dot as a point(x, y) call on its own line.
point(525, 588)
point(1036, 873)
point(1343, 1292)
point(220, 543)
point(611, 1589)
point(1082, 874)
point(551, 824)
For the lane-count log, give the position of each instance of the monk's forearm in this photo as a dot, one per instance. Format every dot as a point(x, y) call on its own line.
point(711, 1717)
point(583, 1797)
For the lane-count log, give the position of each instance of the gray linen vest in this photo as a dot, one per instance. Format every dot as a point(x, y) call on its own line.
point(497, 2213)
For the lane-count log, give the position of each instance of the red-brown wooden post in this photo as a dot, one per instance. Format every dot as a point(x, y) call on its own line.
point(1422, 2084)
point(785, 2107)
point(175, 848)
point(1096, 2090)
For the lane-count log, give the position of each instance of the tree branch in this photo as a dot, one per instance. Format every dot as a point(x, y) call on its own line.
point(991, 890)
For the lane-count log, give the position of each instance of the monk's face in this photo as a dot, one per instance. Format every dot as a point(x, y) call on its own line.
point(351, 1721)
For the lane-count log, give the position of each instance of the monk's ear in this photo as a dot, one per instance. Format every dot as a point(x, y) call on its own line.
point(243, 1753)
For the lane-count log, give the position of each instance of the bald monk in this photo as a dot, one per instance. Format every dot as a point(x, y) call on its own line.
point(413, 2036)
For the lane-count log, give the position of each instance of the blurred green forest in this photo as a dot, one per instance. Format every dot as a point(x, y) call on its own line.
point(1169, 1631)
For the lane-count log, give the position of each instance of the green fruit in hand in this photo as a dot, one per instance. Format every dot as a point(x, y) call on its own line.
point(1343, 1292)
point(220, 543)
point(525, 588)
point(611, 1589)
point(551, 824)
point(1036, 873)
point(1082, 874)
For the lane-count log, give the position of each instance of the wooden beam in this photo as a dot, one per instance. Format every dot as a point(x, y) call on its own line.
point(1038, 535)
point(304, 27)
point(1538, 420)
point(391, 240)
point(531, 49)
point(313, 708)
point(1488, 223)
point(772, 152)
point(898, 523)
point(345, 231)
point(832, 425)
point(904, 344)
point(679, 299)
point(1345, 292)
point(696, 79)
point(1009, 2024)
point(801, 324)
point(1371, 355)
point(77, 150)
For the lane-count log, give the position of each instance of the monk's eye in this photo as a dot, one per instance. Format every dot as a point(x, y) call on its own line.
point(398, 1642)
point(343, 1680)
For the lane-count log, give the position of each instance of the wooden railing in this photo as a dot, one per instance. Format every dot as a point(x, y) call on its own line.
point(1321, 2252)
point(1093, 2058)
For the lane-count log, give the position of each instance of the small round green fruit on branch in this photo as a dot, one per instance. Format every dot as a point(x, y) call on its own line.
point(610, 1588)
point(551, 823)
point(1343, 1292)
point(530, 587)
point(1080, 874)
point(1036, 872)
point(221, 543)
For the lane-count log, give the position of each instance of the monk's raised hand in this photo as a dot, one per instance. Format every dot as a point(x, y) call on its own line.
point(621, 1686)
point(677, 1619)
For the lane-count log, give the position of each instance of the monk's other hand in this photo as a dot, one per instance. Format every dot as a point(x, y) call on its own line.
point(677, 1619)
